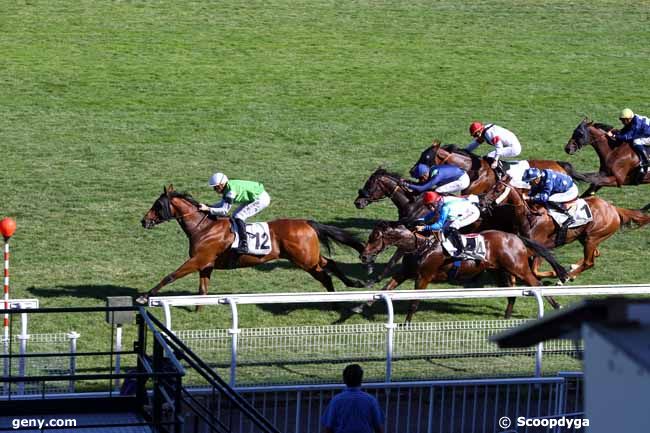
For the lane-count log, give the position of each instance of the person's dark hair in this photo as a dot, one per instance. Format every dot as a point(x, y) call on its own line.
point(353, 375)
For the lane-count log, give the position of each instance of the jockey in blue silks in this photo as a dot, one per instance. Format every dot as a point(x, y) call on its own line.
point(636, 130)
point(444, 179)
point(551, 189)
point(448, 214)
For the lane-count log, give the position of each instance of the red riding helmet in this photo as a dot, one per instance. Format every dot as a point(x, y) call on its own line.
point(431, 197)
point(475, 127)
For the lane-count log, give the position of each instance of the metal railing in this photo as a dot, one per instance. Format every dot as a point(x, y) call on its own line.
point(392, 334)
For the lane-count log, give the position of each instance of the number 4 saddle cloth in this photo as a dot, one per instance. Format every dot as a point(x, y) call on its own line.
point(259, 239)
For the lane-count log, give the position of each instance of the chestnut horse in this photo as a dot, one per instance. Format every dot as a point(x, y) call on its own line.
point(535, 223)
point(505, 252)
point(296, 240)
point(481, 175)
point(619, 163)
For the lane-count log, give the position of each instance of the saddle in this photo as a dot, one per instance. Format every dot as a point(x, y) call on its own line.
point(259, 238)
point(578, 210)
point(473, 247)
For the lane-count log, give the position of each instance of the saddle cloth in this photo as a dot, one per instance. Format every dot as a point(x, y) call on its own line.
point(579, 211)
point(515, 169)
point(473, 244)
point(259, 239)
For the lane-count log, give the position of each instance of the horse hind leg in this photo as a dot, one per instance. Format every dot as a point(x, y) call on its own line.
point(323, 277)
point(331, 266)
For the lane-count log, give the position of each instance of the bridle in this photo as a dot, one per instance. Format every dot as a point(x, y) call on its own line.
point(363, 193)
point(166, 212)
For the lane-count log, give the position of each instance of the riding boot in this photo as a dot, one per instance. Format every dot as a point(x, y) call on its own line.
point(562, 230)
point(243, 236)
point(454, 236)
point(643, 155)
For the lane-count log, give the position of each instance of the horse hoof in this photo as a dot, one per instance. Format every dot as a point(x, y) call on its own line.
point(142, 300)
point(559, 283)
point(574, 267)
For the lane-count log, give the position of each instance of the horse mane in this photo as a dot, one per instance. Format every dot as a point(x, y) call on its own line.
point(381, 171)
point(603, 126)
point(453, 148)
point(185, 196)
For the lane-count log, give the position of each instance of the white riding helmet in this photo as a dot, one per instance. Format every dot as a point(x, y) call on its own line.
point(218, 179)
point(626, 114)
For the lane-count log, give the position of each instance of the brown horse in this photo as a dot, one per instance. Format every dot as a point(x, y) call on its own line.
point(505, 252)
point(481, 175)
point(296, 240)
point(535, 223)
point(619, 163)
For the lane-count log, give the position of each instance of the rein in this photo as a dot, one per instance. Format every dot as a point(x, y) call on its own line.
point(168, 214)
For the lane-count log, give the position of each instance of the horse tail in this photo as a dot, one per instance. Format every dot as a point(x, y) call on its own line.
point(629, 216)
point(572, 172)
point(547, 255)
point(326, 232)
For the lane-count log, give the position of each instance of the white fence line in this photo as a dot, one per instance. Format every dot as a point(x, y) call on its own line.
point(233, 300)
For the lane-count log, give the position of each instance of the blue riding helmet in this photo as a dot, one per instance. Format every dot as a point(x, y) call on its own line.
point(531, 174)
point(420, 170)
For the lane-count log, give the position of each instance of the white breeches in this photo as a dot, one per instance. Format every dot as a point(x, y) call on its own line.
point(563, 197)
point(252, 208)
point(506, 152)
point(645, 141)
point(467, 216)
point(456, 186)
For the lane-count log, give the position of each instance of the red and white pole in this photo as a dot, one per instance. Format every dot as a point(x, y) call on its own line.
point(7, 229)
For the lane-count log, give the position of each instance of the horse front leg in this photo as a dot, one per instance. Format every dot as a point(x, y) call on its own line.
point(192, 265)
point(204, 283)
point(539, 274)
point(397, 279)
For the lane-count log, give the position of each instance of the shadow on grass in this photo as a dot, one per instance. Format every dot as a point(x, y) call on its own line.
point(92, 291)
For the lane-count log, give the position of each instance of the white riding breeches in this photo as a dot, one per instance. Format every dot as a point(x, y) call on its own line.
point(466, 216)
point(645, 141)
point(249, 209)
point(456, 186)
point(506, 152)
point(563, 197)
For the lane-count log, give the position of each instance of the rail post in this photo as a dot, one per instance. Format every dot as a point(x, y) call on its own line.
point(73, 336)
point(234, 332)
point(540, 313)
point(390, 334)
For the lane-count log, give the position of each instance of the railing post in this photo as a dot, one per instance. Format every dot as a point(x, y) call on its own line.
point(23, 337)
point(73, 336)
point(540, 346)
point(141, 347)
point(168, 314)
point(390, 335)
point(158, 363)
point(234, 332)
point(118, 354)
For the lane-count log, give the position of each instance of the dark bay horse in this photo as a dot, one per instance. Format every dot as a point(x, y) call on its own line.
point(535, 223)
point(619, 163)
point(507, 253)
point(296, 240)
point(481, 175)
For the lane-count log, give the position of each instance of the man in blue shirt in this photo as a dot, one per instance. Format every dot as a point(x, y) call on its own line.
point(444, 179)
point(353, 411)
point(636, 130)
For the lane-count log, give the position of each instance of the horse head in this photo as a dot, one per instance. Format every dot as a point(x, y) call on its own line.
point(381, 184)
point(580, 137)
point(495, 196)
point(384, 235)
point(427, 157)
point(164, 209)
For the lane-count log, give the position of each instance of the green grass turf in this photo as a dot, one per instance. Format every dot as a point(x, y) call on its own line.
point(103, 103)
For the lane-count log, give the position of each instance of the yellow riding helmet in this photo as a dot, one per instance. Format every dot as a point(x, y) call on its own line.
point(626, 114)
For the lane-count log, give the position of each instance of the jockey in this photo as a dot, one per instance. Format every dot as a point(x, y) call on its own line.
point(444, 179)
point(636, 130)
point(250, 195)
point(450, 214)
point(506, 144)
point(552, 188)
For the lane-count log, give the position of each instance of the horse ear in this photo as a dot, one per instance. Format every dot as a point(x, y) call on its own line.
point(170, 188)
point(164, 190)
point(435, 143)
